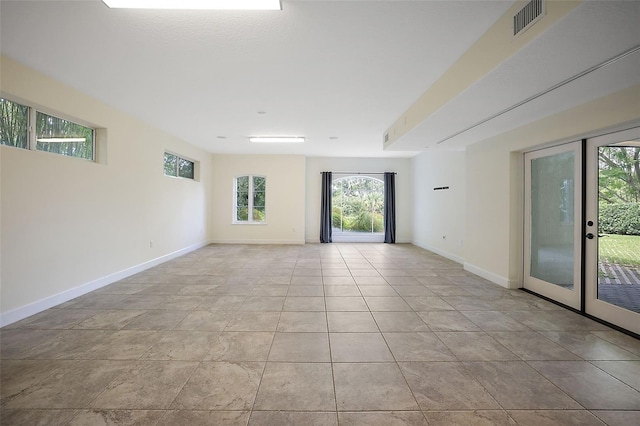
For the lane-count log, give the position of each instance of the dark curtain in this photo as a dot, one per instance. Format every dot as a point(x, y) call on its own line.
point(389, 207)
point(325, 209)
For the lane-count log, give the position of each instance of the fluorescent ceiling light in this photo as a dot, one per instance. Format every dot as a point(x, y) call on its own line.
point(276, 139)
point(196, 4)
point(55, 140)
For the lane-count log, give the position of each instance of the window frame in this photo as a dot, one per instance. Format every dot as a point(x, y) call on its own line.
point(32, 134)
point(339, 234)
point(250, 195)
point(178, 159)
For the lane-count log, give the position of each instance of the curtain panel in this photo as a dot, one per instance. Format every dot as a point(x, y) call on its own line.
point(325, 209)
point(389, 207)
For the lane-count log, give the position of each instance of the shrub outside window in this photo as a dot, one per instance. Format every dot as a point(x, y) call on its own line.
point(177, 166)
point(357, 205)
point(250, 196)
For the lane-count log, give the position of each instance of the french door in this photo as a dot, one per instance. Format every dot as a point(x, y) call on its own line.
point(582, 226)
point(552, 248)
point(612, 244)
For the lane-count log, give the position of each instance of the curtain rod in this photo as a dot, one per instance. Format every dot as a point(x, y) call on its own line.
point(362, 173)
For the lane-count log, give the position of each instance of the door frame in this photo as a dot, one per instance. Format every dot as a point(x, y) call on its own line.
point(592, 306)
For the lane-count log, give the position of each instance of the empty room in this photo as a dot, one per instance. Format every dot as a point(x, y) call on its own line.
point(300, 212)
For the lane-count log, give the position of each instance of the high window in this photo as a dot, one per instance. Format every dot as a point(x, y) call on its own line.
point(357, 207)
point(250, 197)
point(177, 166)
point(52, 134)
point(14, 124)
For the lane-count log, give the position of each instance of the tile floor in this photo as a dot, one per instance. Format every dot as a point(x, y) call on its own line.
point(344, 334)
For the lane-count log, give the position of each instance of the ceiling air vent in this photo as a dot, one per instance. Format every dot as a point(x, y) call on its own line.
point(531, 13)
point(386, 137)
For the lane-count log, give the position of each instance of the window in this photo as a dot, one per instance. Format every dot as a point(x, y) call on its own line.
point(63, 137)
point(357, 207)
point(52, 134)
point(177, 166)
point(250, 196)
point(13, 125)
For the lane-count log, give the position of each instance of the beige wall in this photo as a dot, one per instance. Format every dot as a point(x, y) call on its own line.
point(404, 190)
point(69, 225)
point(494, 182)
point(439, 216)
point(284, 199)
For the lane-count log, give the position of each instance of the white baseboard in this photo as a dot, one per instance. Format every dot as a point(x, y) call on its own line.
point(494, 278)
point(22, 312)
point(271, 241)
point(440, 252)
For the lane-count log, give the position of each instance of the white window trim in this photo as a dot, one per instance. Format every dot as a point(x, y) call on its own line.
point(250, 220)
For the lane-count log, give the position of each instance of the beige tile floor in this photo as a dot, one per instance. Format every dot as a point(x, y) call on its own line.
point(334, 334)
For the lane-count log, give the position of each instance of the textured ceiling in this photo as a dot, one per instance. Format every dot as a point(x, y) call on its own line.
point(321, 69)
point(318, 69)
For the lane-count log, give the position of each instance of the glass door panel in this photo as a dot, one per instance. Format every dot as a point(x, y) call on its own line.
point(613, 215)
point(552, 223)
point(357, 209)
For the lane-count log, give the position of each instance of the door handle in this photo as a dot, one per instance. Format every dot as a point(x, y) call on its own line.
point(590, 236)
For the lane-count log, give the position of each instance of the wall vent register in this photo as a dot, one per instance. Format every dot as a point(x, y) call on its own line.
point(531, 13)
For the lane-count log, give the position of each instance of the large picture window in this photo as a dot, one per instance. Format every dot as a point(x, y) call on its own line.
point(52, 134)
point(250, 199)
point(357, 207)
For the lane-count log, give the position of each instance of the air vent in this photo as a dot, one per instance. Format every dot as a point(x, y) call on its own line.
point(386, 137)
point(528, 15)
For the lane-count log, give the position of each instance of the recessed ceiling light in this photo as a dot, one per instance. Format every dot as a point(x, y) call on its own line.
point(276, 139)
point(196, 4)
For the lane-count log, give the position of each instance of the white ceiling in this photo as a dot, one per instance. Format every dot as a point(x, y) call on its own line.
point(320, 69)
point(593, 33)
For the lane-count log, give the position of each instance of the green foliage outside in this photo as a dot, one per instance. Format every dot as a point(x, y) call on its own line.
point(13, 124)
point(243, 214)
point(358, 204)
point(619, 207)
point(258, 194)
point(185, 168)
point(619, 176)
point(619, 190)
point(170, 162)
point(619, 218)
point(176, 166)
point(48, 127)
point(620, 250)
